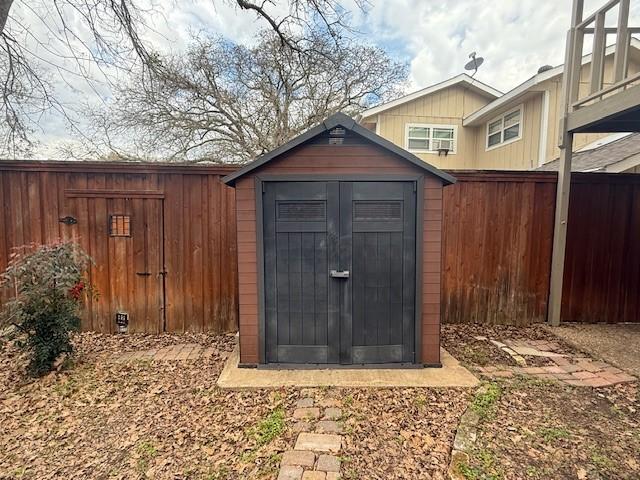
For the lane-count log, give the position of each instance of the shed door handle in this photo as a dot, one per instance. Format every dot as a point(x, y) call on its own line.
point(143, 274)
point(339, 273)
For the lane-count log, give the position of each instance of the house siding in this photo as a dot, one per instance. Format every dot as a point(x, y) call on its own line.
point(521, 154)
point(451, 105)
point(448, 107)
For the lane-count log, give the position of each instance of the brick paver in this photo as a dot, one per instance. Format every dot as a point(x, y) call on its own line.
point(328, 426)
point(304, 402)
point(319, 442)
point(575, 370)
point(332, 414)
point(290, 472)
point(180, 352)
point(328, 463)
point(301, 426)
point(306, 413)
point(313, 455)
point(311, 475)
point(301, 458)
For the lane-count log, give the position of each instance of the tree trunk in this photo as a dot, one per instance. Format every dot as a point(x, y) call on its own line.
point(5, 6)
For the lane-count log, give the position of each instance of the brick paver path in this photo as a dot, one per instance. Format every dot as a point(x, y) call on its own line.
point(318, 443)
point(180, 352)
point(573, 370)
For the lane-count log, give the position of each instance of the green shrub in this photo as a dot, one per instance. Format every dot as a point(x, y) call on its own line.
point(48, 286)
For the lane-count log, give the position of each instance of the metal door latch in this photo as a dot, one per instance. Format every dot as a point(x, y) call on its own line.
point(143, 274)
point(339, 274)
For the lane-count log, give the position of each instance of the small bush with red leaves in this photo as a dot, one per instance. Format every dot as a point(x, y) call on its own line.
point(48, 287)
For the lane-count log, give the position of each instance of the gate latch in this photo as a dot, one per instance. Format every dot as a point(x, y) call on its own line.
point(339, 274)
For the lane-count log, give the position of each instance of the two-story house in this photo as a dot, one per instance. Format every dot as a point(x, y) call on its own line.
point(463, 123)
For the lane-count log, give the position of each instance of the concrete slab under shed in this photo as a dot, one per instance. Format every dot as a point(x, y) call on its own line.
point(452, 374)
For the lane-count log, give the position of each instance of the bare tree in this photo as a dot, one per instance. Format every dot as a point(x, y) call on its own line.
point(110, 34)
point(225, 102)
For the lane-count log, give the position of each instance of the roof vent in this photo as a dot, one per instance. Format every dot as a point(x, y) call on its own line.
point(545, 68)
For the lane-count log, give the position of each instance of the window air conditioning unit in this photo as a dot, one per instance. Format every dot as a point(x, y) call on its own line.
point(443, 146)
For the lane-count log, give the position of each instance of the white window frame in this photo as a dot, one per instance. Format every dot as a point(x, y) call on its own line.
point(501, 117)
point(430, 126)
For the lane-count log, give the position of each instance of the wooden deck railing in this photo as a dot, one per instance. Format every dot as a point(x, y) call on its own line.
point(594, 25)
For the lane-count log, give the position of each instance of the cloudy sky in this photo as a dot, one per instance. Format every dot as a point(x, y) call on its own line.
point(515, 37)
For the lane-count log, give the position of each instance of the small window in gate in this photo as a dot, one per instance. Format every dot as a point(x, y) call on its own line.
point(120, 226)
point(363, 210)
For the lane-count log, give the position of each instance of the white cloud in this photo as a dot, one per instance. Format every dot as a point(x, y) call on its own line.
point(514, 37)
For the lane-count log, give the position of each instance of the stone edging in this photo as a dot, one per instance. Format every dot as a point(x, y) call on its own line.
point(465, 439)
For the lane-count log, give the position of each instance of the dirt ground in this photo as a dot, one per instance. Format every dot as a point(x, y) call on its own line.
point(167, 420)
point(534, 429)
point(618, 344)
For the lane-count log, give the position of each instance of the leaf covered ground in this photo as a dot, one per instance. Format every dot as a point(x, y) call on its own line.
point(101, 419)
point(533, 429)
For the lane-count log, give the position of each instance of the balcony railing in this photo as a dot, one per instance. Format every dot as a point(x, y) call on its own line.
point(594, 25)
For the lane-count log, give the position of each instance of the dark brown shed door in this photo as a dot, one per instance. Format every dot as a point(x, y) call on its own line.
point(340, 271)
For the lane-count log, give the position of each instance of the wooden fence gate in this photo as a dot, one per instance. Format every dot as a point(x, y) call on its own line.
point(124, 235)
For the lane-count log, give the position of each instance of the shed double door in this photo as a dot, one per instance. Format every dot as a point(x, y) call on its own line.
point(340, 272)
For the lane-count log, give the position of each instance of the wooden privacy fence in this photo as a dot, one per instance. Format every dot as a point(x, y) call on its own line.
point(178, 269)
point(175, 272)
point(498, 232)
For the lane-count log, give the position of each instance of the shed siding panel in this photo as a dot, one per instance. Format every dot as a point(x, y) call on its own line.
point(247, 270)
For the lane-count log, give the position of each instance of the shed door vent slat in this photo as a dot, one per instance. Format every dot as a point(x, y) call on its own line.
point(301, 211)
point(377, 210)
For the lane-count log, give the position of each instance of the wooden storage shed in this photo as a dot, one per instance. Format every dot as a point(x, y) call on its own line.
point(339, 251)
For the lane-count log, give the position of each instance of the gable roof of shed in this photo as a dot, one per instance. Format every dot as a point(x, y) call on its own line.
point(335, 120)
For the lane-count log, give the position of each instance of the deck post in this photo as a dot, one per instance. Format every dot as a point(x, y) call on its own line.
point(570, 84)
point(560, 230)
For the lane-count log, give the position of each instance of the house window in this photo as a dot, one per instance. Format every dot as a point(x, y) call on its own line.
point(505, 129)
point(119, 226)
point(431, 138)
